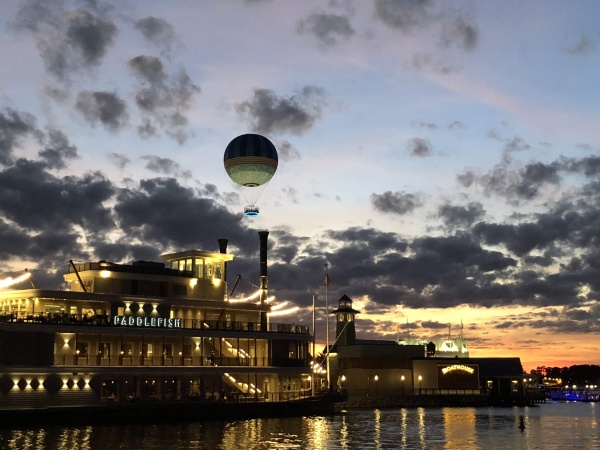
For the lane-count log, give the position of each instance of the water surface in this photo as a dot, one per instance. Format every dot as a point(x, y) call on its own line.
point(548, 426)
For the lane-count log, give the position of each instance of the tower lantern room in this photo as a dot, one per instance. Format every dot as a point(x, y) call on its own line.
point(345, 332)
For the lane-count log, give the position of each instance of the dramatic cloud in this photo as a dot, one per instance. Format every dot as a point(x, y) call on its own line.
point(327, 28)
point(461, 216)
point(287, 152)
point(411, 16)
point(158, 31)
point(36, 200)
point(165, 166)
point(14, 128)
point(396, 202)
point(106, 108)
point(268, 113)
point(403, 15)
point(67, 40)
point(164, 100)
point(163, 213)
point(419, 147)
point(58, 150)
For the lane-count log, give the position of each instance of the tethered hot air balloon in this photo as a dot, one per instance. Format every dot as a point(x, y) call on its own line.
point(251, 161)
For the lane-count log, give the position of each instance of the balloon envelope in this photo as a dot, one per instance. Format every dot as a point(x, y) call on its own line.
point(250, 160)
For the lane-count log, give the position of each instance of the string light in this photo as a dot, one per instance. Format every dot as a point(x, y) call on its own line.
point(284, 312)
point(10, 280)
point(279, 306)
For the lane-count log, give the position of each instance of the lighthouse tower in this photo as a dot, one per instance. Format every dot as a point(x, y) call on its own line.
point(345, 332)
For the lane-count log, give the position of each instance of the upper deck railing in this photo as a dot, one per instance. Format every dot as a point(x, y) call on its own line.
point(185, 324)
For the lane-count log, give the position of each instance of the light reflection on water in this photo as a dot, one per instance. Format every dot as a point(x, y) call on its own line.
point(549, 426)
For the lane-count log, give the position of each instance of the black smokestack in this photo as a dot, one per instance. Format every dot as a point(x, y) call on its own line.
point(264, 285)
point(223, 245)
point(223, 249)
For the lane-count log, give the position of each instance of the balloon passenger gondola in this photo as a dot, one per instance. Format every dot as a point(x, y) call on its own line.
point(251, 211)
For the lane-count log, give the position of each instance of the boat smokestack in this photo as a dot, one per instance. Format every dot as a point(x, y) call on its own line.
point(264, 284)
point(223, 249)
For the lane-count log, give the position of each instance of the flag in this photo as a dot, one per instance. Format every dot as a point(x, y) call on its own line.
point(327, 280)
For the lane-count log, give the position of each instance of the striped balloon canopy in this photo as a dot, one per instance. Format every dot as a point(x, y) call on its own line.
point(250, 160)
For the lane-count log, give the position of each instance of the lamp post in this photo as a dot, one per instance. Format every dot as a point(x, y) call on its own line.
point(420, 378)
point(376, 378)
point(403, 379)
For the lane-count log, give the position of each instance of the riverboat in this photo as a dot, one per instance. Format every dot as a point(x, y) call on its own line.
point(147, 339)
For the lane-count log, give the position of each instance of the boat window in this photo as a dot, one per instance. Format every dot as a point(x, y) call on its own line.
point(199, 268)
point(82, 348)
point(104, 350)
point(127, 348)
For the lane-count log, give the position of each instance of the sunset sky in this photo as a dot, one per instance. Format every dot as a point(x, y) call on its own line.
point(441, 157)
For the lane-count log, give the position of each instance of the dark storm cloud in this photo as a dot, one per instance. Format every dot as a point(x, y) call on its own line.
point(57, 150)
point(37, 200)
point(534, 176)
point(419, 147)
point(515, 184)
point(14, 128)
point(165, 166)
point(163, 213)
point(268, 113)
point(426, 272)
point(163, 99)
point(67, 40)
point(106, 108)
point(90, 35)
point(589, 166)
point(433, 325)
point(396, 202)
point(522, 238)
point(461, 216)
point(158, 31)
point(327, 28)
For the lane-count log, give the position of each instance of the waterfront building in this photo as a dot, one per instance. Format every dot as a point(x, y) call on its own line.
point(149, 332)
point(406, 368)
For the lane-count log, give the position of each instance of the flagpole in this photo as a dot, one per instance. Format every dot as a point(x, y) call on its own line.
point(327, 326)
point(312, 377)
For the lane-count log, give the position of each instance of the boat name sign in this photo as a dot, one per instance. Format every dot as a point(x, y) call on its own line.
point(149, 322)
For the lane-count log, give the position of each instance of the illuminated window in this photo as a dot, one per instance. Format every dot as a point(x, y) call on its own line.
point(82, 348)
point(127, 349)
point(199, 268)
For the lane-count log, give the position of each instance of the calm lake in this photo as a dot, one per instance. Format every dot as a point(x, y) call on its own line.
point(547, 426)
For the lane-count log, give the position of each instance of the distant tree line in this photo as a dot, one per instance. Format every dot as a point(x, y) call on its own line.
point(580, 375)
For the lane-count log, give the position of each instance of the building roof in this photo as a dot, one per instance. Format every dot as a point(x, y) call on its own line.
point(374, 342)
point(498, 367)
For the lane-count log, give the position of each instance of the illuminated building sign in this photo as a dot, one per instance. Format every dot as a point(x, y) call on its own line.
point(458, 367)
point(148, 322)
